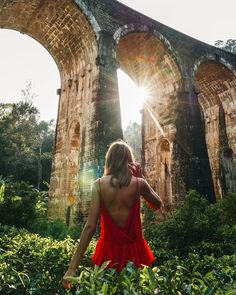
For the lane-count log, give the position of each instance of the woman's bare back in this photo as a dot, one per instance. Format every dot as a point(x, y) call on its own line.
point(118, 201)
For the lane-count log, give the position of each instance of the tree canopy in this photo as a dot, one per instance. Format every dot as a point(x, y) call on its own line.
point(132, 135)
point(25, 142)
point(229, 45)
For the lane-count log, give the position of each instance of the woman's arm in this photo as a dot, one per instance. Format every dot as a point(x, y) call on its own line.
point(86, 235)
point(151, 197)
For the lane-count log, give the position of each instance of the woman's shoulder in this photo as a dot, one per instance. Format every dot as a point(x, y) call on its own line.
point(102, 180)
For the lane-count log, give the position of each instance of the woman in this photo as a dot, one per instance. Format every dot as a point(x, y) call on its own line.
point(116, 198)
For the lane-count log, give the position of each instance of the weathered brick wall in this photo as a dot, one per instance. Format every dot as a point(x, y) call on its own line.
point(62, 28)
point(189, 150)
point(216, 86)
point(75, 146)
point(149, 63)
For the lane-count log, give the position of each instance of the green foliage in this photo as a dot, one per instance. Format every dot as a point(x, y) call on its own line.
point(229, 45)
point(18, 204)
point(193, 222)
point(190, 276)
point(185, 226)
point(25, 143)
point(24, 206)
point(218, 249)
point(227, 208)
point(30, 264)
point(132, 135)
point(55, 229)
point(194, 248)
point(2, 189)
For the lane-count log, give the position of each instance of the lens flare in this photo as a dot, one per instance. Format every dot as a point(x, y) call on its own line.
point(142, 95)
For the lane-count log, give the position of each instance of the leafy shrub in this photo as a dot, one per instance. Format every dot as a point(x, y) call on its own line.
point(30, 264)
point(217, 249)
point(18, 204)
point(55, 229)
point(22, 205)
point(185, 226)
point(193, 222)
point(226, 233)
point(227, 209)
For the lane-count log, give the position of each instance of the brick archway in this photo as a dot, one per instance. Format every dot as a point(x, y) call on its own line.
point(150, 64)
point(84, 38)
point(63, 29)
point(216, 88)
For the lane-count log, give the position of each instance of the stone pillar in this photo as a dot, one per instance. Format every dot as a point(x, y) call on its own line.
point(107, 119)
point(108, 104)
point(198, 173)
point(75, 161)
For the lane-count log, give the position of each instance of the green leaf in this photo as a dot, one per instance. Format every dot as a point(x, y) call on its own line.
point(103, 266)
point(104, 288)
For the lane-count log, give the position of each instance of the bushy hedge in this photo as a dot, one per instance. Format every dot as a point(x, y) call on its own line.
point(30, 264)
point(22, 205)
point(194, 222)
point(189, 276)
point(195, 250)
point(18, 203)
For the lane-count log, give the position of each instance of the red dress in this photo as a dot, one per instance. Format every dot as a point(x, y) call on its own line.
point(122, 244)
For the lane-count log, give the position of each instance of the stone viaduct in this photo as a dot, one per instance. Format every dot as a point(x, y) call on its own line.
point(192, 94)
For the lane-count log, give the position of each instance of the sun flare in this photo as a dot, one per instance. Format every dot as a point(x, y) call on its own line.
point(142, 95)
point(132, 99)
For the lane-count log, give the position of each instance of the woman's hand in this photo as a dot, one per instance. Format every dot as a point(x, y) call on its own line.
point(136, 169)
point(66, 279)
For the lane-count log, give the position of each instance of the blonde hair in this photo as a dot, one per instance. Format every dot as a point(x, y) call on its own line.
point(118, 158)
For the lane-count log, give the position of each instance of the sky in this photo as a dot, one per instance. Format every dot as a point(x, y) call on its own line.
point(22, 59)
point(205, 20)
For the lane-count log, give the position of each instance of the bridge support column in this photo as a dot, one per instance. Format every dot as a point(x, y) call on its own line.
point(198, 173)
point(107, 124)
point(108, 105)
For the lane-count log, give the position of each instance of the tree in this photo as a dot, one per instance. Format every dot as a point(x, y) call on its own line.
point(24, 141)
point(132, 135)
point(229, 45)
point(46, 143)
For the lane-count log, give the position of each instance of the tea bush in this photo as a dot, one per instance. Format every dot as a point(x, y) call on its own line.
point(195, 250)
point(18, 203)
point(193, 222)
point(22, 205)
point(55, 229)
point(30, 264)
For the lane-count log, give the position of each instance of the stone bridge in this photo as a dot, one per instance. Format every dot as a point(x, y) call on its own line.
point(192, 94)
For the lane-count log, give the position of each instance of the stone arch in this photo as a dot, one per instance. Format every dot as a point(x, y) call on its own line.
point(92, 20)
point(211, 58)
point(216, 88)
point(65, 31)
point(148, 61)
point(141, 28)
